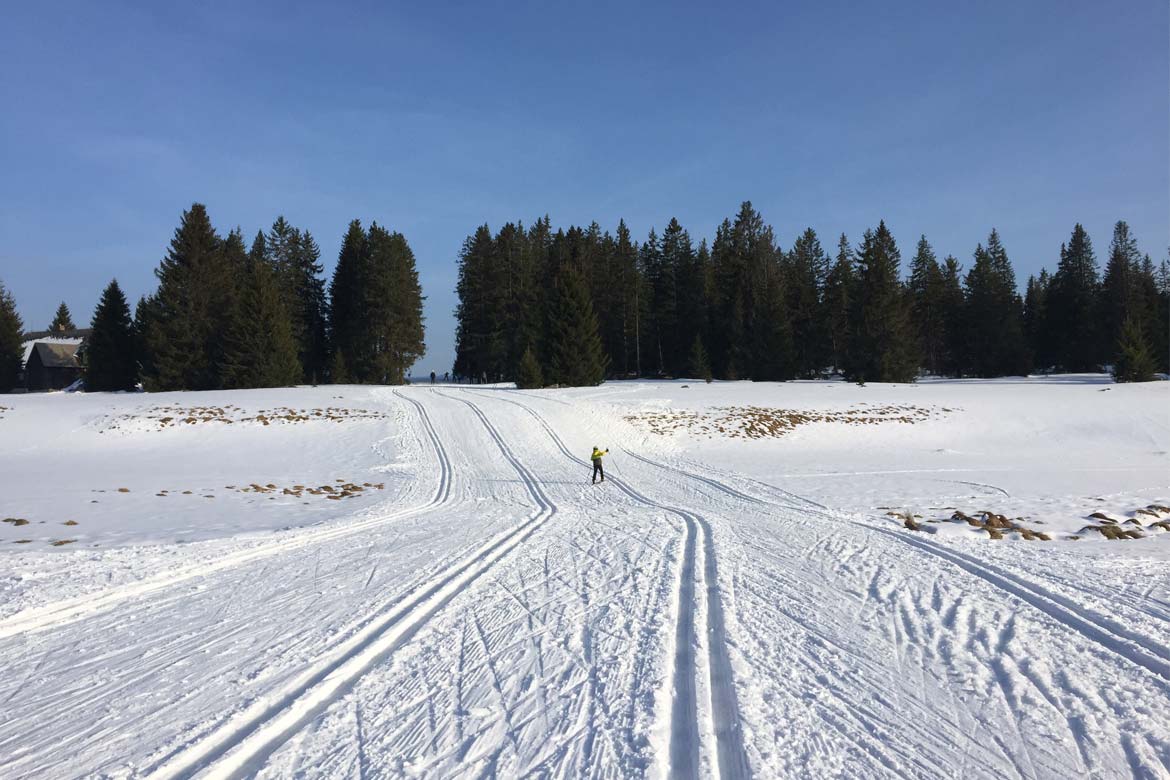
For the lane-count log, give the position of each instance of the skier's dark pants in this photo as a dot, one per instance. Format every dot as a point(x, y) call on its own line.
point(597, 469)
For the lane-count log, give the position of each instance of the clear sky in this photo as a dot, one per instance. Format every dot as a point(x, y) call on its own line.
point(431, 118)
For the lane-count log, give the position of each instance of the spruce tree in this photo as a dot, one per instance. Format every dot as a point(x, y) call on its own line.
point(577, 359)
point(481, 318)
point(183, 334)
point(1120, 294)
point(953, 308)
point(348, 316)
point(730, 356)
point(650, 266)
point(628, 283)
point(995, 342)
point(883, 348)
point(11, 341)
point(926, 288)
point(1072, 306)
point(675, 267)
point(1134, 361)
point(807, 272)
point(312, 343)
point(62, 320)
point(394, 302)
point(838, 302)
point(1036, 328)
point(698, 365)
point(338, 373)
point(260, 349)
point(111, 362)
point(1161, 305)
point(529, 376)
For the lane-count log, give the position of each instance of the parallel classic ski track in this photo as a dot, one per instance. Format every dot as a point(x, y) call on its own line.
point(239, 747)
point(1107, 634)
point(730, 754)
point(70, 610)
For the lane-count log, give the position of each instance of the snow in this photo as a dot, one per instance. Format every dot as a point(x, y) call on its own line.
point(736, 599)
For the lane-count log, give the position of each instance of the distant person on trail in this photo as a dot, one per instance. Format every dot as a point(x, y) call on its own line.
point(597, 469)
point(446, 376)
point(432, 377)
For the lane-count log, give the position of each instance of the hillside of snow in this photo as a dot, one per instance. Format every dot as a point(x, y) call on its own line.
point(952, 578)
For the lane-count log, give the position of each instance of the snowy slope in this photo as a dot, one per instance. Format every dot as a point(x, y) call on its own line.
point(724, 605)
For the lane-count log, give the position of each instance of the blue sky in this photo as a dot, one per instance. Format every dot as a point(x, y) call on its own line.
point(431, 118)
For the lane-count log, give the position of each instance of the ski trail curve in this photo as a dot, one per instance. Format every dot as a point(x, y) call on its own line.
point(443, 492)
point(240, 746)
point(73, 609)
point(731, 756)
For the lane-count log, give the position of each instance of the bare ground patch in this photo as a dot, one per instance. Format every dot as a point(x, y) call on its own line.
point(1129, 526)
point(759, 422)
point(162, 417)
point(999, 526)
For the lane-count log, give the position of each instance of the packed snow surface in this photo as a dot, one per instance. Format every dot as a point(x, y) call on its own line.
point(775, 580)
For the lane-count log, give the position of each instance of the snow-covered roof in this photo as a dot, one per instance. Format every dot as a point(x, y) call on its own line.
point(28, 345)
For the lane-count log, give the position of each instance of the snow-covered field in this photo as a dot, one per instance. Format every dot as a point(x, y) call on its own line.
point(360, 581)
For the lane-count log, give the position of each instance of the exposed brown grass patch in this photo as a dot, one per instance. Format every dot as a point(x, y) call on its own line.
point(70, 522)
point(1112, 532)
point(16, 522)
point(993, 523)
point(163, 417)
point(62, 542)
point(759, 422)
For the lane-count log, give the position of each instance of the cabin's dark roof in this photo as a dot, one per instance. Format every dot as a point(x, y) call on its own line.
point(53, 355)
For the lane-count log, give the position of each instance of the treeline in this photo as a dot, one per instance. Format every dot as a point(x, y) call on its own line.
point(575, 306)
point(229, 316)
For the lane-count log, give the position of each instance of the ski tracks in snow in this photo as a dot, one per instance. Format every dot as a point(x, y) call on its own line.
point(995, 664)
point(240, 746)
point(722, 708)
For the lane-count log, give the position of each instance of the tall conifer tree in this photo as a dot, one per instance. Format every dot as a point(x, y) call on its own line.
point(1073, 308)
point(926, 286)
point(111, 362)
point(62, 320)
point(395, 306)
point(260, 350)
point(838, 304)
point(576, 357)
point(11, 349)
point(183, 332)
point(347, 304)
point(808, 269)
point(883, 348)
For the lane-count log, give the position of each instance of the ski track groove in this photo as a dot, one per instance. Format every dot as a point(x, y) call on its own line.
point(240, 746)
point(1114, 638)
point(70, 610)
point(731, 756)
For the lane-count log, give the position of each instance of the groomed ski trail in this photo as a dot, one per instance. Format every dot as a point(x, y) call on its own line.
point(1095, 628)
point(683, 757)
point(239, 747)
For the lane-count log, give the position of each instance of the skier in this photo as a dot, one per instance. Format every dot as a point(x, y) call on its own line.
point(597, 469)
point(432, 377)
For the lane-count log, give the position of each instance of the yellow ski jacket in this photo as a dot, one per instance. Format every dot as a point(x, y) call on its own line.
point(597, 454)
